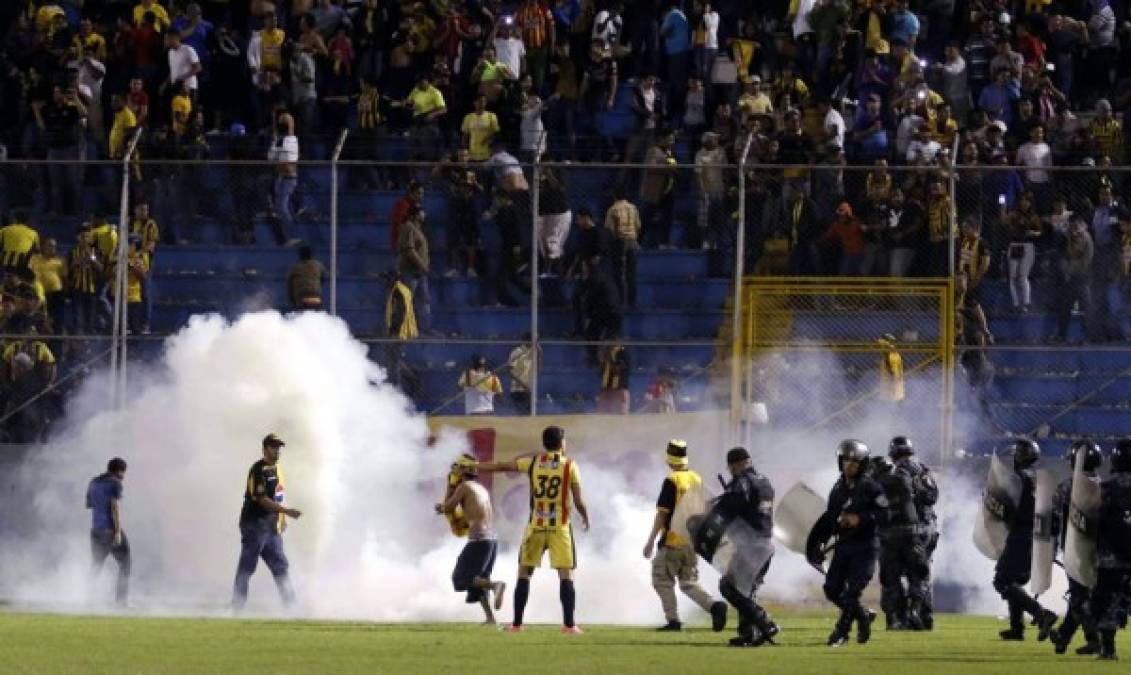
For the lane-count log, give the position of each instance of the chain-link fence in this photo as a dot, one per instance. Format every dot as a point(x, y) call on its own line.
point(622, 273)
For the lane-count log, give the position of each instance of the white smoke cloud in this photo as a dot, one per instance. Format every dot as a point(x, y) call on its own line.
point(359, 464)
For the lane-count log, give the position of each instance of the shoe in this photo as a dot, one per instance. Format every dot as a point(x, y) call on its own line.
point(572, 630)
point(671, 626)
point(1045, 624)
point(864, 626)
point(767, 635)
point(292, 242)
point(838, 638)
point(1107, 656)
point(514, 628)
point(1059, 644)
point(718, 616)
point(928, 620)
point(1013, 634)
point(499, 588)
point(1090, 649)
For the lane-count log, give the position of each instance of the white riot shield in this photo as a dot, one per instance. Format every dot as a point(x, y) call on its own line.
point(999, 501)
point(1044, 548)
point(795, 516)
point(730, 545)
point(1083, 518)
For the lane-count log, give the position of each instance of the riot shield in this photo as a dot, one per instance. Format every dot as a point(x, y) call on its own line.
point(795, 516)
point(1044, 548)
point(999, 502)
point(729, 544)
point(1083, 518)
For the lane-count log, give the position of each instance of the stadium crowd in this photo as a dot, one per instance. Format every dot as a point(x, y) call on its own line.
point(1016, 106)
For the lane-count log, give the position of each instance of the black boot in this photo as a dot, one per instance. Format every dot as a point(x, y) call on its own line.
point(718, 616)
point(673, 626)
point(1014, 634)
point(864, 619)
point(766, 633)
point(1060, 640)
point(1107, 645)
point(1045, 622)
point(839, 636)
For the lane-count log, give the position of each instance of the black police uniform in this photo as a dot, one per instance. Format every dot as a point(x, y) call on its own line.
point(926, 493)
point(1113, 548)
point(1014, 566)
point(1079, 595)
point(857, 548)
point(750, 496)
point(903, 552)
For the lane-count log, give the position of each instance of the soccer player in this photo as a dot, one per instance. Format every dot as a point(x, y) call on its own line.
point(468, 507)
point(107, 538)
point(553, 479)
point(262, 522)
point(675, 558)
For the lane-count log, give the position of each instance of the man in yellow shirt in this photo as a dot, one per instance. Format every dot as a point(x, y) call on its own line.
point(145, 228)
point(135, 278)
point(182, 110)
point(89, 43)
point(676, 559)
point(84, 279)
point(553, 479)
point(51, 271)
point(159, 13)
point(18, 242)
point(479, 128)
point(122, 128)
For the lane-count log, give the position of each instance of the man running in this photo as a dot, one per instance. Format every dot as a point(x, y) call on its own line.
point(468, 504)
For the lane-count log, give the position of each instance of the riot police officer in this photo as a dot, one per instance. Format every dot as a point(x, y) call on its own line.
point(1113, 548)
point(903, 556)
point(749, 496)
point(1078, 614)
point(925, 493)
point(1014, 565)
point(856, 507)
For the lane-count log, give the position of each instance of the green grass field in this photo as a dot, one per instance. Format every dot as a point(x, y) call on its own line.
point(46, 644)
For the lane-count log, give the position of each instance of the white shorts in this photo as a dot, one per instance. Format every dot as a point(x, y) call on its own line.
point(552, 233)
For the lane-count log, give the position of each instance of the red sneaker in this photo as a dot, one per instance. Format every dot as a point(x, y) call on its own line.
point(514, 628)
point(572, 630)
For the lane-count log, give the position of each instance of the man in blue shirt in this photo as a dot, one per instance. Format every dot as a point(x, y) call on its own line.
point(676, 35)
point(998, 97)
point(904, 24)
point(195, 32)
point(107, 538)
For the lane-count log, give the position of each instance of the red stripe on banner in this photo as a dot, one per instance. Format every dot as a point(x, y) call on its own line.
point(565, 492)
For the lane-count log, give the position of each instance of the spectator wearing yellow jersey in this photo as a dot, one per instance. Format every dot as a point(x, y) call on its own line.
point(428, 106)
point(135, 277)
point(145, 228)
point(27, 367)
point(18, 242)
point(83, 279)
point(50, 272)
point(891, 371)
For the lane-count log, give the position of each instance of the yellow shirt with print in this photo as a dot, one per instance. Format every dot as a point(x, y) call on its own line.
point(271, 49)
point(480, 129)
point(133, 277)
point(551, 476)
point(92, 45)
point(16, 241)
point(150, 236)
point(38, 351)
point(105, 238)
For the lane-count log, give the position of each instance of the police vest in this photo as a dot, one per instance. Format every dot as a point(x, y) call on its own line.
point(683, 481)
point(549, 476)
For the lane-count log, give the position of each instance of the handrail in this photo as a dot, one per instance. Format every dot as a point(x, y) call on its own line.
point(334, 221)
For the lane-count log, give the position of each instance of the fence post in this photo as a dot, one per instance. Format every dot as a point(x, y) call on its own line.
point(736, 407)
point(953, 187)
point(534, 196)
point(119, 328)
point(334, 221)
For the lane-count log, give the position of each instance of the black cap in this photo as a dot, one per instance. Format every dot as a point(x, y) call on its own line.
point(552, 438)
point(736, 455)
point(273, 440)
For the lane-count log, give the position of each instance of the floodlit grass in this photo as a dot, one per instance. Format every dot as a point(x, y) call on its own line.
point(45, 644)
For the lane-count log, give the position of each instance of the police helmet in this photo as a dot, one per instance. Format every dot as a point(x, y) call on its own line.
point(900, 446)
point(1026, 452)
point(880, 466)
point(1121, 455)
point(1093, 456)
point(852, 449)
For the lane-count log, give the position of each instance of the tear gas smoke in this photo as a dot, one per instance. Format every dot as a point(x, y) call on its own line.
point(359, 464)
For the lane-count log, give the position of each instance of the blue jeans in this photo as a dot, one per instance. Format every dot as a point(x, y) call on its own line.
point(421, 300)
point(257, 542)
point(285, 220)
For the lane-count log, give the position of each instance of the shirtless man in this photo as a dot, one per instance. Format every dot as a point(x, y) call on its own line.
point(468, 498)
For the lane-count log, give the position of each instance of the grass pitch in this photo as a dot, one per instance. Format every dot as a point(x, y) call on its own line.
point(43, 644)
